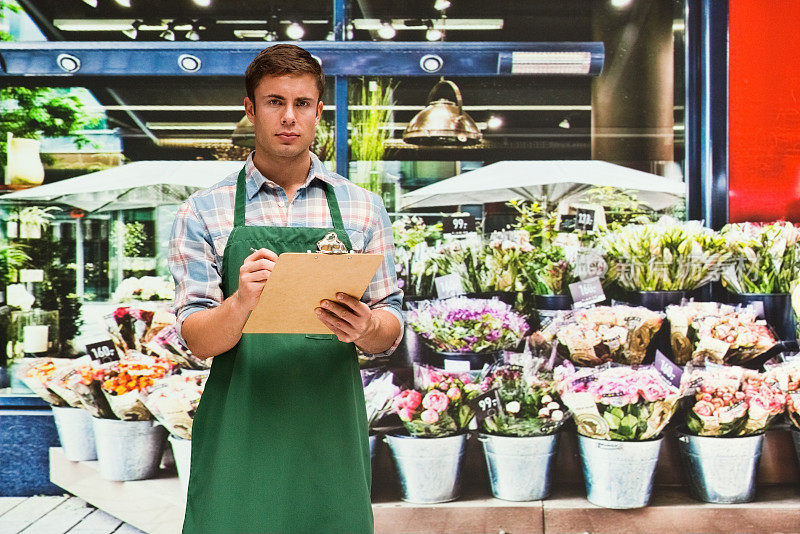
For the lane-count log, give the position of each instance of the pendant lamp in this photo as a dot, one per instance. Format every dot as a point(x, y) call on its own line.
point(443, 122)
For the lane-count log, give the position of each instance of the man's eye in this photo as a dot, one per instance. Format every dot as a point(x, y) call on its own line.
point(274, 102)
point(303, 103)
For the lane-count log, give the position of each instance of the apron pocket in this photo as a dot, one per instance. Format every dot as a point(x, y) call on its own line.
point(327, 337)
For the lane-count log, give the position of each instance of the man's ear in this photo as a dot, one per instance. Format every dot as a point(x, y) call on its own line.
point(319, 111)
point(249, 109)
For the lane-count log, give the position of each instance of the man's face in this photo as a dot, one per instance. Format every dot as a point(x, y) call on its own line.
point(284, 115)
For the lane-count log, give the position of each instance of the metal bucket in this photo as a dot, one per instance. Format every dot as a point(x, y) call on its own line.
point(373, 446)
point(75, 432)
point(429, 468)
point(619, 474)
point(721, 470)
point(182, 452)
point(519, 467)
point(128, 450)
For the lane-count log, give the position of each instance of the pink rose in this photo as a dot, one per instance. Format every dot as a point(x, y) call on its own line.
point(454, 393)
point(405, 414)
point(703, 408)
point(435, 400)
point(429, 417)
point(410, 399)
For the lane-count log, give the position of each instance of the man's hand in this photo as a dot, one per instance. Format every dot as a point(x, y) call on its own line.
point(348, 318)
point(253, 274)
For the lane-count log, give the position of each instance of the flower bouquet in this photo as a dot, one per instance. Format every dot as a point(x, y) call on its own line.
point(506, 254)
point(145, 288)
point(85, 381)
point(786, 377)
point(465, 257)
point(37, 372)
point(593, 336)
point(441, 407)
point(730, 401)
point(411, 235)
point(618, 402)
point(529, 403)
point(168, 344)
point(766, 257)
point(124, 379)
point(468, 325)
point(379, 393)
point(173, 400)
point(547, 271)
point(664, 256)
point(718, 333)
point(127, 327)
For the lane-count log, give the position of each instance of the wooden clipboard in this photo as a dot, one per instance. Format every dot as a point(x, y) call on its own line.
point(299, 282)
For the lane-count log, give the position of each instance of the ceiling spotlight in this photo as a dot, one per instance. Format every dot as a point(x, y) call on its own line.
point(271, 36)
point(620, 4)
point(203, 3)
point(189, 63)
point(386, 31)
point(92, 3)
point(68, 63)
point(295, 31)
point(124, 3)
point(494, 122)
point(193, 35)
point(564, 123)
point(441, 5)
point(133, 31)
point(433, 34)
point(168, 34)
point(330, 37)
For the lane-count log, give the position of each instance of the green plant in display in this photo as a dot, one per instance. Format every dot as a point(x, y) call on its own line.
point(621, 205)
point(531, 217)
point(12, 258)
point(370, 125)
point(324, 145)
point(133, 237)
point(766, 257)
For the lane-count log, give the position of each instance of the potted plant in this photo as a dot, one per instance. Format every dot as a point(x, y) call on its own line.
point(467, 333)
point(721, 443)
point(661, 263)
point(766, 262)
point(620, 414)
point(430, 455)
point(519, 438)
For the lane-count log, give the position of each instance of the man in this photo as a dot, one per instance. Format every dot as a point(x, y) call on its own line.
point(280, 439)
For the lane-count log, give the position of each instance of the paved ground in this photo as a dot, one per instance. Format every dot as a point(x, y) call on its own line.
point(57, 515)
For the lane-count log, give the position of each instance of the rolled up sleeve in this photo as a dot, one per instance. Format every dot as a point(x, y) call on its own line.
point(193, 264)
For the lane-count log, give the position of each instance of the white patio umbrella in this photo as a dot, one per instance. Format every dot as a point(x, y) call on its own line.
point(553, 180)
point(135, 185)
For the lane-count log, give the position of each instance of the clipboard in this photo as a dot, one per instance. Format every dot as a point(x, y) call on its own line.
point(299, 282)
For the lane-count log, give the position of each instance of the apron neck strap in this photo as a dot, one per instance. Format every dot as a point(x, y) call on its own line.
point(330, 196)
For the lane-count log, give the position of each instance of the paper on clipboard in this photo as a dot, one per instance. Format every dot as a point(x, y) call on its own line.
point(299, 282)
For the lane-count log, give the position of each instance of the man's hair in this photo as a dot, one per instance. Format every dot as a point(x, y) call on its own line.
point(279, 60)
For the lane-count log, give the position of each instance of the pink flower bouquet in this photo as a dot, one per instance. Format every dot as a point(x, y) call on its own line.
point(442, 406)
point(730, 401)
point(618, 403)
point(786, 377)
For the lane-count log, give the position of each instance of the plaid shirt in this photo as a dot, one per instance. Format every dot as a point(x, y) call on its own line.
point(205, 220)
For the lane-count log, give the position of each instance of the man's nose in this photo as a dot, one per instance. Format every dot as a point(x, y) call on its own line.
point(288, 114)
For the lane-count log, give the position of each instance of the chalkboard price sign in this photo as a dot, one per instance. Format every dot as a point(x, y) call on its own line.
point(584, 220)
point(103, 351)
point(462, 224)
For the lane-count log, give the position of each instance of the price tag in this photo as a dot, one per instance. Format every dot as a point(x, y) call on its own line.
point(456, 366)
point(566, 223)
point(103, 351)
point(487, 405)
point(669, 369)
point(587, 292)
point(584, 220)
point(448, 286)
point(461, 224)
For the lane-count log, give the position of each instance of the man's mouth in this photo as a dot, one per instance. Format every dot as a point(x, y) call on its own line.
point(287, 135)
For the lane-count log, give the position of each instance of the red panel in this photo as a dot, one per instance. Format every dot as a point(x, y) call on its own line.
point(764, 112)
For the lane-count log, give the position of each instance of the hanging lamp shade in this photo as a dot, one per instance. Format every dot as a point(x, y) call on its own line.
point(442, 122)
point(244, 134)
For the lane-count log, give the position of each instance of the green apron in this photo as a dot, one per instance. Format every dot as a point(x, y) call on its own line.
point(280, 438)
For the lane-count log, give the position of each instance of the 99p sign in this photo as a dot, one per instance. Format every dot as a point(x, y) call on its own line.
point(462, 224)
point(487, 405)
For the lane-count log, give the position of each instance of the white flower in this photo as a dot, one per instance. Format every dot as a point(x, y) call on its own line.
point(544, 412)
point(553, 406)
point(557, 415)
point(546, 399)
point(513, 407)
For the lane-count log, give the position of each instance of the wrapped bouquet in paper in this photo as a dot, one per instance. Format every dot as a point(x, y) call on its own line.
point(618, 402)
point(717, 333)
point(529, 404)
point(379, 393)
point(667, 255)
point(37, 372)
point(506, 254)
point(786, 377)
point(85, 381)
point(59, 382)
point(730, 401)
point(128, 326)
point(593, 336)
point(124, 379)
point(166, 343)
point(766, 257)
point(173, 400)
point(440, 406)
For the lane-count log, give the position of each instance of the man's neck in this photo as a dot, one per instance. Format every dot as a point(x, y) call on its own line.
point(289, 173)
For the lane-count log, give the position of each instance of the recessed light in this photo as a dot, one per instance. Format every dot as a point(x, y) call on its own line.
point(295, 31)
point(494, 122)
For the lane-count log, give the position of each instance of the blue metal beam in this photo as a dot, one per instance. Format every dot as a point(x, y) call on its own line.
point(713, 139)
point(342, 135)
point(344, 58)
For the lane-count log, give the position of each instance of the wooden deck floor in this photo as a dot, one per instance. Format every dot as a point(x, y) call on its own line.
point(57, 515)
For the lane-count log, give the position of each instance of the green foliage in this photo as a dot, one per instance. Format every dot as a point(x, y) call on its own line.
point(12, 257)
point(370, 126)
point(531, 217)
point(133, 236)
point(324, 145)
point(57, 293)
point(621, 205)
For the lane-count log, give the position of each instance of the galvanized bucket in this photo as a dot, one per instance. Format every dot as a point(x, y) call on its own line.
point(619, 474)
point(721, 470)
point(429, 468)
point(128, 450)
point(519, 467)
point(373, 446)
point(75, 432)
point(182, 452)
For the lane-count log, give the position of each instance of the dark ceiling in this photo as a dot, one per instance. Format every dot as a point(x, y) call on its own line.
point(532, 108)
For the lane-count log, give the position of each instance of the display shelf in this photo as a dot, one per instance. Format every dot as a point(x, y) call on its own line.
point(156, 506)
